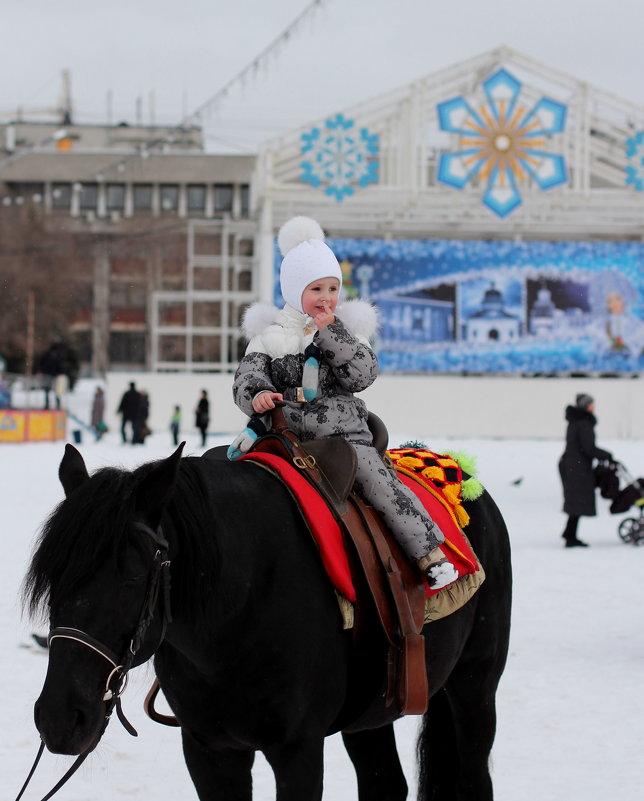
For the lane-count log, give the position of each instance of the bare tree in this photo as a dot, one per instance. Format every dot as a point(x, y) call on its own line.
point(33, 260)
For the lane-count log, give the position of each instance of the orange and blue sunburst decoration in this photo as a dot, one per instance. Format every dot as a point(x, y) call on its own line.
point(502, 142)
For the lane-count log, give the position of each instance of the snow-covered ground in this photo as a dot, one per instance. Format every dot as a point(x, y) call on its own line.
point(571, 706)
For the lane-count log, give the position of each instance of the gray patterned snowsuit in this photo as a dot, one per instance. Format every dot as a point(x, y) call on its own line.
point(274, 361)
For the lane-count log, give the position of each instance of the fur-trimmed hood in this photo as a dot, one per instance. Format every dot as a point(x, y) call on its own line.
point(575, 414)
point(359, 317)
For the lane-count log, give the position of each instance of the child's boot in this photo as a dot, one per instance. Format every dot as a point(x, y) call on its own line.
point(438, 570)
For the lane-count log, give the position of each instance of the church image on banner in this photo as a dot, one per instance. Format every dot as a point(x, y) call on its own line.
point(491, 322)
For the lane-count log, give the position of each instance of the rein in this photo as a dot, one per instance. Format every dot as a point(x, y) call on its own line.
point(159, 582)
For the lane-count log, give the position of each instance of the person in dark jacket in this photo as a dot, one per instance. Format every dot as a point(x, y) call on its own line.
point(50, 366)
point(202, 416)
point(129, 410)
point(576, 466)
point(98, 413)
point(140, 425)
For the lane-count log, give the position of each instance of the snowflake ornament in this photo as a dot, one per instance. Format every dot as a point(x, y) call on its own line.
point(635, 155)
point(339, 159)
point(503, 142)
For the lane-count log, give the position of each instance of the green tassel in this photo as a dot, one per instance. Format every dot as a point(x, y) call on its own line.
point(466, 461)
point(471, 489)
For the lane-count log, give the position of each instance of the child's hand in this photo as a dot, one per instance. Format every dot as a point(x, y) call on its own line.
point(265, 401)
point(324, 318)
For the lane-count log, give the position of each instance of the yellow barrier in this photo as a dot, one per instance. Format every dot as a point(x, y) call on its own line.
point(26, 425)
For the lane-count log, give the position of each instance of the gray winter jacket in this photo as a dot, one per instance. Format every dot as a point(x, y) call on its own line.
point(275, 359)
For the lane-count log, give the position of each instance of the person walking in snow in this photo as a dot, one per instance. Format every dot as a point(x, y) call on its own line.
point(129, 409)
point(175, 424)
point(202, 416)
point(315, 355)
point(50, 366)
point(140, 425)
point(576, 467)
point(98, 413)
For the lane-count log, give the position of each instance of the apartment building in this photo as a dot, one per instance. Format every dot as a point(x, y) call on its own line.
point(127, 193)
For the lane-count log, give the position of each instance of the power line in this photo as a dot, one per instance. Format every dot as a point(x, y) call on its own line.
point(196, 117)
point(253, 67)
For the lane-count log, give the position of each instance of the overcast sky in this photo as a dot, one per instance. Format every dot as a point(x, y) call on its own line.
point(182, 52)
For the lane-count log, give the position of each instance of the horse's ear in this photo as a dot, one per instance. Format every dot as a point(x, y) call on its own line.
point(157, 487)
point(72, 471)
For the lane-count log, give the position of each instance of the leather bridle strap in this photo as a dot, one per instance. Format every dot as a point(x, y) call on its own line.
point(77, 763)
point(86, 639)
point(120, 668)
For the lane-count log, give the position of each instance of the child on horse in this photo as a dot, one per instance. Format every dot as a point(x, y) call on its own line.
point(317, 354)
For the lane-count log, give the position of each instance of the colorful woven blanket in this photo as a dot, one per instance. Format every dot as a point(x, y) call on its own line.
point(437, 481)
point(434, 478)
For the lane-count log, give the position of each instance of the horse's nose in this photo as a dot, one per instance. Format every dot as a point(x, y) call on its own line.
point(62, 731)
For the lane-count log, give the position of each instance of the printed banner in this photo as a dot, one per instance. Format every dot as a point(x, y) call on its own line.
point(457, 306)
point(19, 425)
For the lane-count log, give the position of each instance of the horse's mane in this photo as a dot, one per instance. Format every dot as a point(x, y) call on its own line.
point(93, 525)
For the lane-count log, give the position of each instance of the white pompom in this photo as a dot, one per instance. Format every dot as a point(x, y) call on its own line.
point(258, 317)
point(360, 317)
point(297, 230)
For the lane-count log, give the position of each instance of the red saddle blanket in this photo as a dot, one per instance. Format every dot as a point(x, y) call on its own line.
point(328, 537)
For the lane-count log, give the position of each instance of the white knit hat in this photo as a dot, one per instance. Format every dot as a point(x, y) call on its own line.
point(306, 258)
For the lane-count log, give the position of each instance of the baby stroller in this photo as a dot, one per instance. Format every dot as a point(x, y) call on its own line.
point(609, 478)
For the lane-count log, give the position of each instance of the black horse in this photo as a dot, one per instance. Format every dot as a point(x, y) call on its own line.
point(254, 657)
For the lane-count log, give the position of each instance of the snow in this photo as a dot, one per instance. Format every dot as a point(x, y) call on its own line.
point(570, 706)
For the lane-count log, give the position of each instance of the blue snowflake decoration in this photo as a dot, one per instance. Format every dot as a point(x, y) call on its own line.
point(339, 158)
point(502, 142)
point(635, 155)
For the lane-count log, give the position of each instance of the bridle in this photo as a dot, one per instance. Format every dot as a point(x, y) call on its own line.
point(116, 682)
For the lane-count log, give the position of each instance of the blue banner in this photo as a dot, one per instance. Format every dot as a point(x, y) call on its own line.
point(457, 306)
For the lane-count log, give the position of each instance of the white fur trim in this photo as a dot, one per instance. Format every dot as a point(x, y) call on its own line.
point(257, 318)
point(279, 332)
point(297, 230)
point(360, 317)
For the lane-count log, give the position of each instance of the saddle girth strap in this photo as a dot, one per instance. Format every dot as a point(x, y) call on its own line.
point(398, 593)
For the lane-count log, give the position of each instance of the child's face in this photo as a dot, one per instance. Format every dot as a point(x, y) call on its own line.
point(321, 295)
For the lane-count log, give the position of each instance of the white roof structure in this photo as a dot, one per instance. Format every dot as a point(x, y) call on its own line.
point(498, 146)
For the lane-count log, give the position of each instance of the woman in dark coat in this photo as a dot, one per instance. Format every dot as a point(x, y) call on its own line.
point(202, 416)
point(576, 466)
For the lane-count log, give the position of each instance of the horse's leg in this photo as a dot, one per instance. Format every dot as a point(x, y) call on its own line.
point(298, 769)
point(218, 775)
point(438, 756)
point(472, 699)
point(456, 740)
point(378, 769)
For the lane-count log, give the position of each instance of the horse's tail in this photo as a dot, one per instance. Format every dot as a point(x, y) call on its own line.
point(437, 750)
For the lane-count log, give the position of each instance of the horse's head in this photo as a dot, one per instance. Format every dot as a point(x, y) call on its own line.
point(101, 563)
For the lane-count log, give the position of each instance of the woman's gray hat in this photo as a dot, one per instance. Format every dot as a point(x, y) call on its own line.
point(583, 400)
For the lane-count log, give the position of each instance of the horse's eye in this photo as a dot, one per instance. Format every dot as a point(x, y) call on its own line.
point(132, 580)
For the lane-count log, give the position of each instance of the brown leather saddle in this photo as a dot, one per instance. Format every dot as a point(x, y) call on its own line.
point(377, 562)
